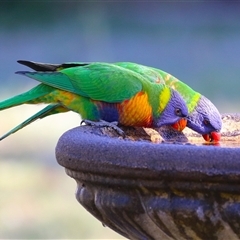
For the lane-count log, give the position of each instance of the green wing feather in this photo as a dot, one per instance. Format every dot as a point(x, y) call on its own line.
point(98, 81)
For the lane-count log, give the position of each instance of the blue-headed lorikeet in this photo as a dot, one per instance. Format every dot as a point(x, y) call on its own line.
point(99, 91)
point(203, 116)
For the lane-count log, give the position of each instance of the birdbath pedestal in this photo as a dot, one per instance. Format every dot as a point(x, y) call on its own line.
point(155, 191)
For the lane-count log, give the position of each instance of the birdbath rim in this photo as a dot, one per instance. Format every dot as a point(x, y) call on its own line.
point(85, 149)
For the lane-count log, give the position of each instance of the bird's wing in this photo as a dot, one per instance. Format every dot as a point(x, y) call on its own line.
point(98, 81)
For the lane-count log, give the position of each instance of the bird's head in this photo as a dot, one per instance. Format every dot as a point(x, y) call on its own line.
point(205, 119)
point(175, 110)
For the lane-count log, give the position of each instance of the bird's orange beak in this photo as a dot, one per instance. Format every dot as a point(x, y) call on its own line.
point(212, 137)
point(180, 125)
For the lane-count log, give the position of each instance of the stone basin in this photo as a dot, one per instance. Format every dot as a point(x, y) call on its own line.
point(166, 191)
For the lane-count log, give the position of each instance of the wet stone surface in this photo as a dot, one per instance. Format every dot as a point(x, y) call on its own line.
point(144, 190)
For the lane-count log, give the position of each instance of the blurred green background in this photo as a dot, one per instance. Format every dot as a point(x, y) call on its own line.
point(197, 42)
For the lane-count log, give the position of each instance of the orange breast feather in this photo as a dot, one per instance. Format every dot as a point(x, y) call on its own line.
point(136, 111)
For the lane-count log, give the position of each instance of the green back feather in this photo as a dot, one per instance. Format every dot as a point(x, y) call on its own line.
point(190, 96)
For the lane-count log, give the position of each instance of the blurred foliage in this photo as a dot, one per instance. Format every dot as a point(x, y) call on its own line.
point(39, 14)
point(196, 41)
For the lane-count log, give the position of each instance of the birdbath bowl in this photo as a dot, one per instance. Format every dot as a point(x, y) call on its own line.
point(144, 190)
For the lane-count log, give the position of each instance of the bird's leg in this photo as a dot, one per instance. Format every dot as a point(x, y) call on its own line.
point(103, 123)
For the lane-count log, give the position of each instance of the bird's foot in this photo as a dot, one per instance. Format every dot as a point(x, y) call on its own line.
point(103, 123)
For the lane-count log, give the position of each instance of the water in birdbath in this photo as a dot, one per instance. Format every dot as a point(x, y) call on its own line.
point(230, 133)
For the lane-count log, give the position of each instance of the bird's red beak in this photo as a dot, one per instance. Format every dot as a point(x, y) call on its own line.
point(212, 137)
point(180, 125)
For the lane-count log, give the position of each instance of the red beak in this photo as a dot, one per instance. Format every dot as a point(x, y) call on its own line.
point(180, 125)
point(212, 137)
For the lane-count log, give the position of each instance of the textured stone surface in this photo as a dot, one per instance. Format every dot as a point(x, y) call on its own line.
point(155, 191)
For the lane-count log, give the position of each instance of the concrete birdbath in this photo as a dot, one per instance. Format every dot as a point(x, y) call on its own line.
point(167, 191)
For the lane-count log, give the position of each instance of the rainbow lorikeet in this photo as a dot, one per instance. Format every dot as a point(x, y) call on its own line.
point(203, 116)
point(99, 91)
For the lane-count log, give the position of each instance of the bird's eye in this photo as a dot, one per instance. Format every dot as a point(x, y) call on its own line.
point(206, 122)
point(178, 112)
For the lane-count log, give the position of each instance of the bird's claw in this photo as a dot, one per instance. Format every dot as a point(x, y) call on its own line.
point(102, 123)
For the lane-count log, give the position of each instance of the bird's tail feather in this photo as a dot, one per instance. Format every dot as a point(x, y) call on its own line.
point(36, 92)
point(49, 110)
